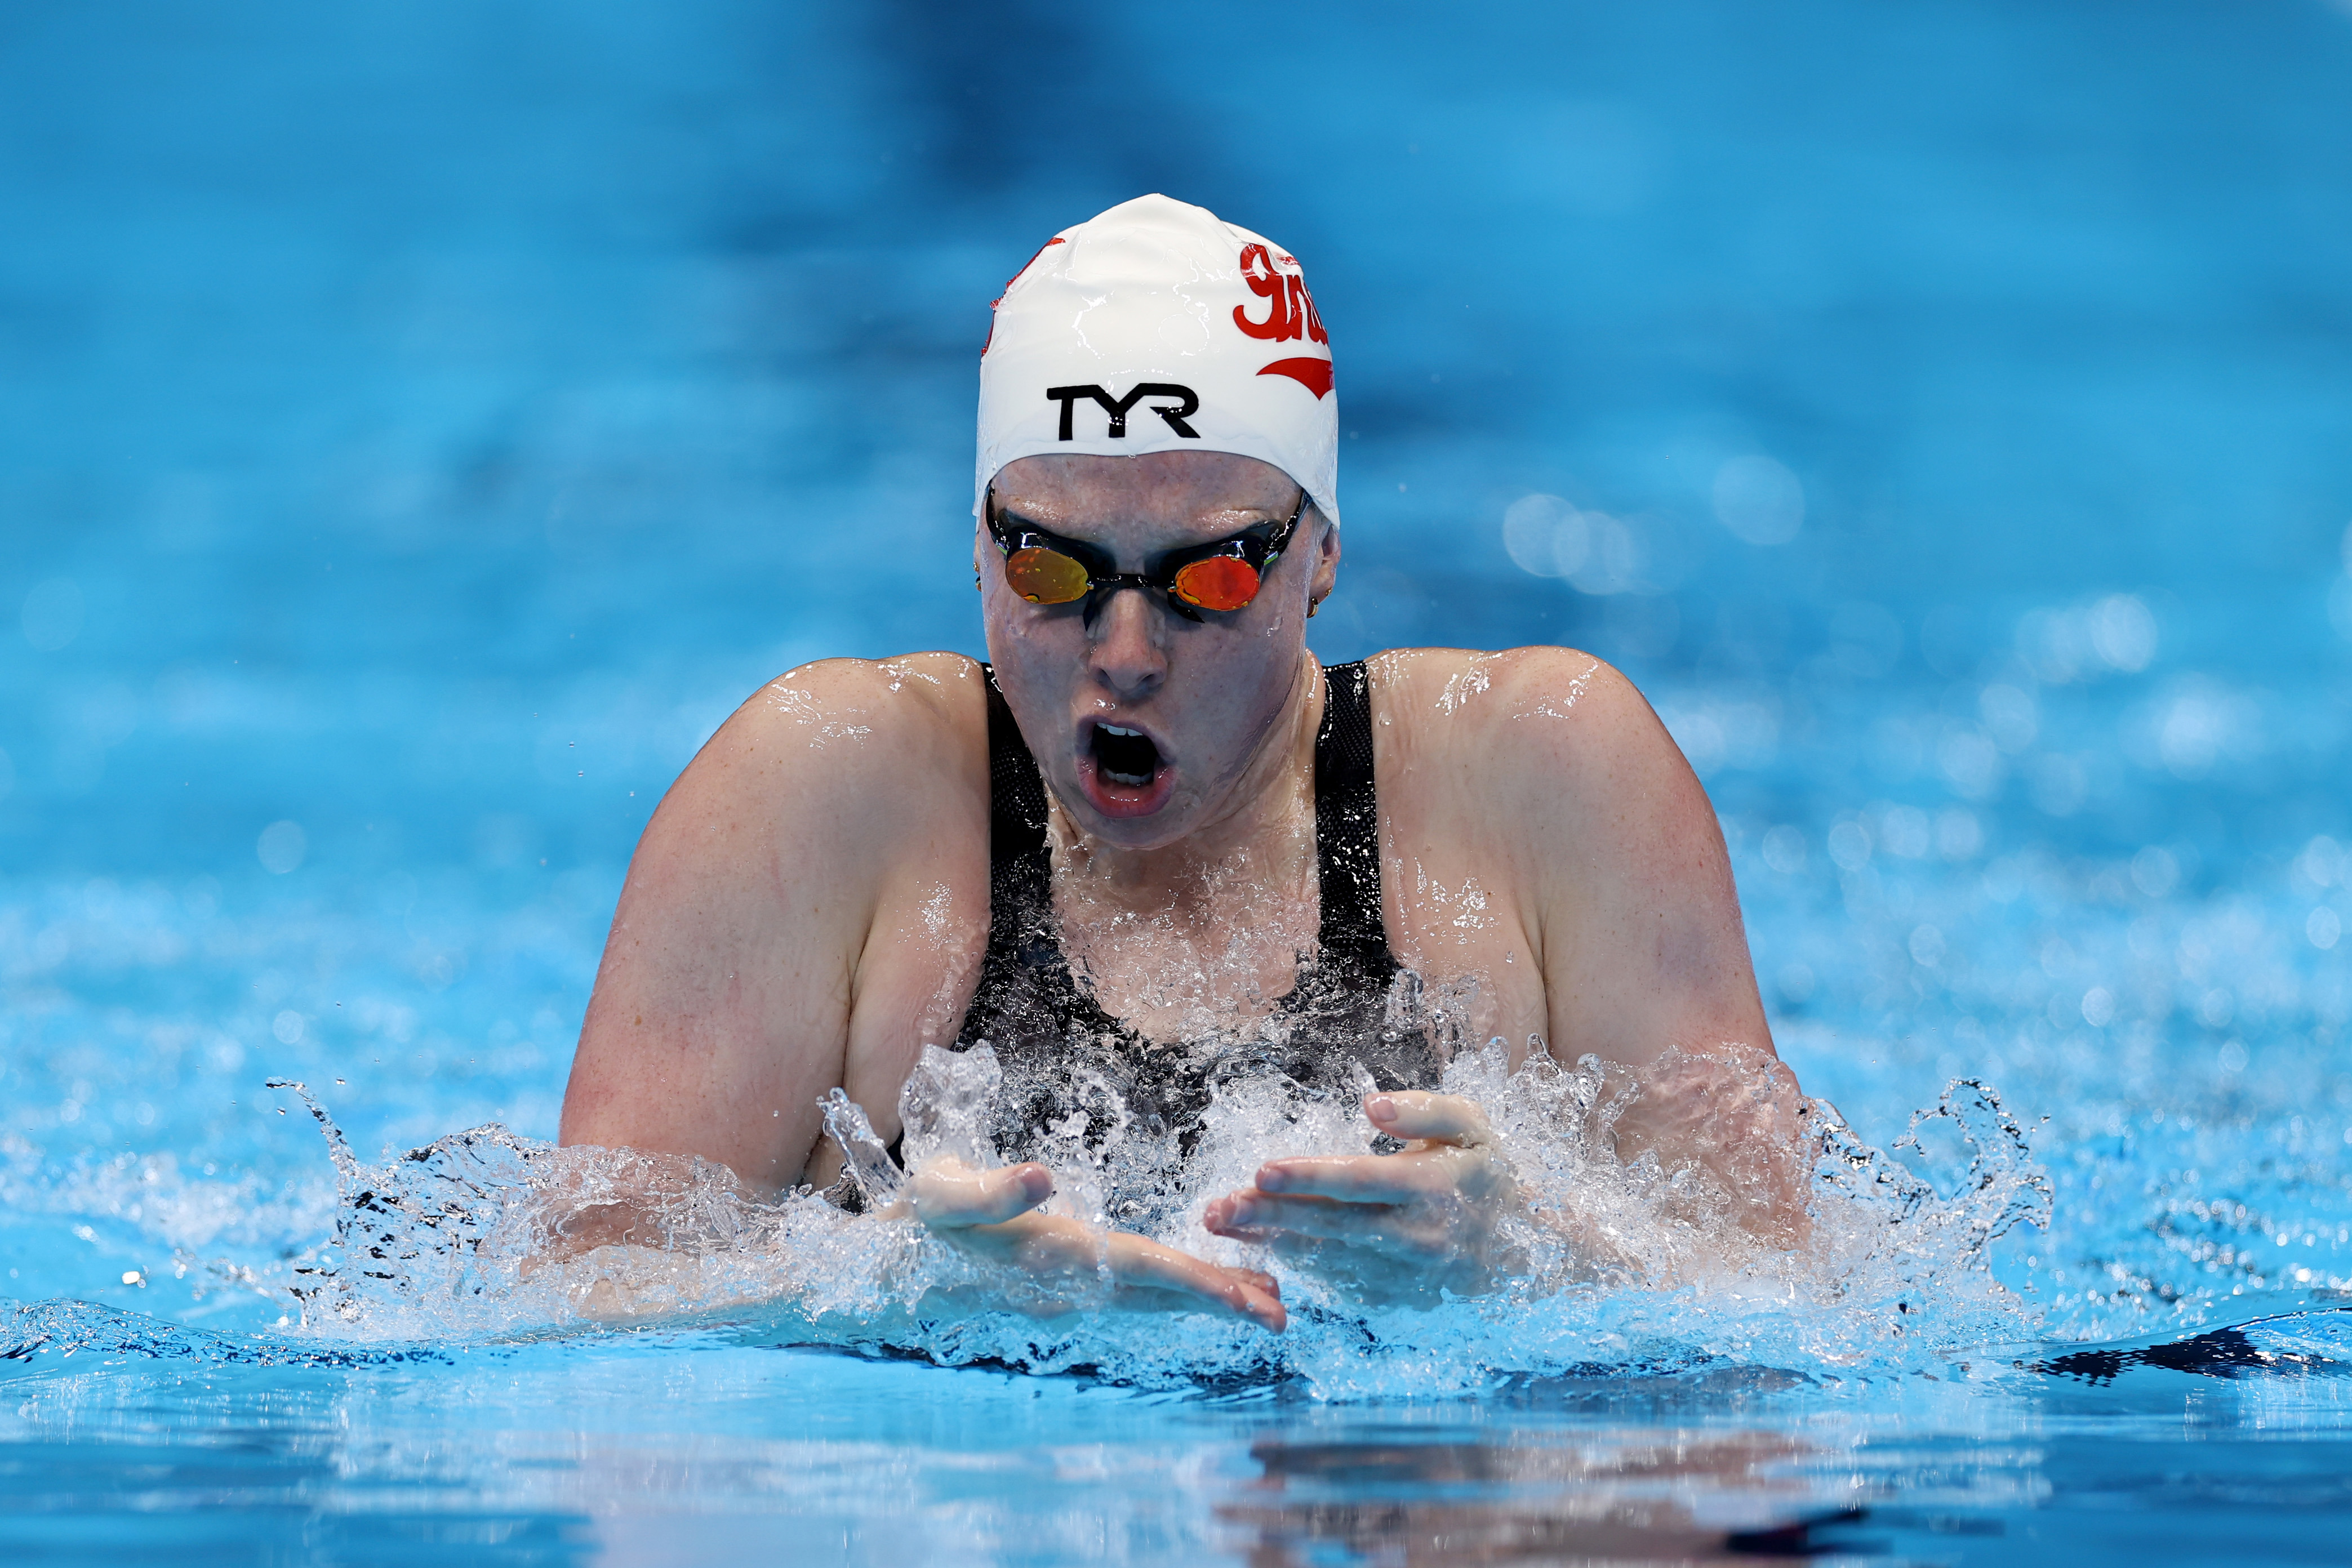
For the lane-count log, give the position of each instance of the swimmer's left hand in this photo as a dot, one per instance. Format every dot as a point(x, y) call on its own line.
point(993, 1214)
point(1395, 1227)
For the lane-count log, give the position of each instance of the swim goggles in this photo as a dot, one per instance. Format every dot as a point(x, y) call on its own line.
point(1224, 574)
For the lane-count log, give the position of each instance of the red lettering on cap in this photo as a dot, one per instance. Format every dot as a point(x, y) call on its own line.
point(1290, 311)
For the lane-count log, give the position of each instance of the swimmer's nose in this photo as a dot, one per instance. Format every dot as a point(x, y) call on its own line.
point(1128, 653)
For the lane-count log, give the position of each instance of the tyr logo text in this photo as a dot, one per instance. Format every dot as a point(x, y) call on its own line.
point(1117, 407)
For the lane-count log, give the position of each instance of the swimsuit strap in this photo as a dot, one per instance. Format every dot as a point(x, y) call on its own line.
point(1024, 951)
point(1020, 868)
point(1352, 935)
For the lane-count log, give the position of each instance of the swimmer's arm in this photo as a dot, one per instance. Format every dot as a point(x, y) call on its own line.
point(1637, 922)
point(723, 1007)
point(1631, 902)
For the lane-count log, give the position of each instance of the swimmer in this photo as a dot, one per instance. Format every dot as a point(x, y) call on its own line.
point(1154, 846)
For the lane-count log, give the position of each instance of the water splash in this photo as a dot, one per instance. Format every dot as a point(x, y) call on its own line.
point(338, 1148)
point(60, 1331)
point(1620, 1263)
point(868, 1172)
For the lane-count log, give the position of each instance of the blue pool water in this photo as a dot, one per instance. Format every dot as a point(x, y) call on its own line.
point(421, 424)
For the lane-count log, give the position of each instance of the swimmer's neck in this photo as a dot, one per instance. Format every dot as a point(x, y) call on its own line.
point(1261, 832)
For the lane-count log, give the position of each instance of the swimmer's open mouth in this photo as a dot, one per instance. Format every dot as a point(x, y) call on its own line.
point(1122, 772)
point(1127, 757)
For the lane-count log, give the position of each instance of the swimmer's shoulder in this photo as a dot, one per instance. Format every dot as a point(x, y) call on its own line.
point(847, 755)
point(1517, 701)
point(1558, 771)
point(1539, 731)
point(856, 715)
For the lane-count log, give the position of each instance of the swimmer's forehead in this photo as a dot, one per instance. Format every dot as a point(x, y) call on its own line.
point(1197, 496)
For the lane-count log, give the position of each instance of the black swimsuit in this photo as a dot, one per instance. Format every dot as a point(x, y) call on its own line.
point(1078, 1081)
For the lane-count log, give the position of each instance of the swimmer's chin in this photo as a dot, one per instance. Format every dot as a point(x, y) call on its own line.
point(1123, 803)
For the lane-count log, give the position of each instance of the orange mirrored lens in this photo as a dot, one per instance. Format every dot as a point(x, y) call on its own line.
point(1044, 576)
point(1220, 582)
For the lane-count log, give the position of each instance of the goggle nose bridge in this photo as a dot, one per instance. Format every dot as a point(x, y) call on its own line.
point(1101, 591)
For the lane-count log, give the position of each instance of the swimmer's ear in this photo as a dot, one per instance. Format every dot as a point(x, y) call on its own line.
point(1327, 556)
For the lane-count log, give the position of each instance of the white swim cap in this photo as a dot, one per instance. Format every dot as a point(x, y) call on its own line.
point(1157, 326)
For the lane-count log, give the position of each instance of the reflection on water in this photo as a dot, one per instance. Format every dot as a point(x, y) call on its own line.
point(1626, 1496)
point(715, 1446)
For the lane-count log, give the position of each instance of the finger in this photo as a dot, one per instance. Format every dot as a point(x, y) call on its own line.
point(1147, 1263)
point(1233, 1216)
point(1359, 1178)
point(1216, 1219)
point(1259, 1218)
point(1219, 1220)
point(948, 1195)
point(1136, 1261)
point(1266, 1282)
point(1215, 1224)
point(1440, 1118)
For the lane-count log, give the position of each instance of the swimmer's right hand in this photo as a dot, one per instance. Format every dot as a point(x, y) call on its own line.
point(988, 1214)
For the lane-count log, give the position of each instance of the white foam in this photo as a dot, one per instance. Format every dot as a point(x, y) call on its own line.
point(1619, 1264)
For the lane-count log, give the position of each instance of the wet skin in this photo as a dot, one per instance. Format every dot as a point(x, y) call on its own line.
point(809, 905)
